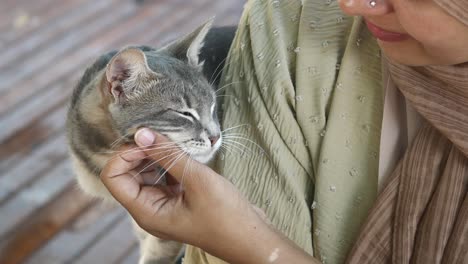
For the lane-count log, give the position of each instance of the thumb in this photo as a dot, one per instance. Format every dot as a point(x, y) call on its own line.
point(170, 157)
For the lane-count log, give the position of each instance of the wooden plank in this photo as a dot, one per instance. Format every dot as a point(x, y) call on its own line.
point(106, 248)
point(52, 32)
point(39, 19)
point(231, 15)
point(197, 16)
point(73, 39)
point(31, 169)
point(36, 134)
point(77, 237)
point(32, 111)
point(6, 5)
point(36, 108)
point(43, 153)
point(61, 70)
point(131, 257)
point(24, 203)
point(48, 221)
point(11, 9)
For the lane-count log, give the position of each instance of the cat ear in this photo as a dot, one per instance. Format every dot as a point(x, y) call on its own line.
point(127, 72)
point(188, 47)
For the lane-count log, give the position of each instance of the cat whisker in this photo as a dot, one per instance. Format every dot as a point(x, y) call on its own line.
point(118, 140)
point(168, 146)
point(226, 149)
point(225, 86)
point(135, 150)
point(174, 161)
point(244, 138)
point(234, 127)
point(160, 146)
point(239, 146)
point(233, 133)
point(221, 71)
point(233, 140)
point(177, 151)
point(225, 95)
point(116, 151)
point(211, 81)
point(146, 167)
point(234, 149)
point(187, 165)
point(154, 162)
point(222, 149)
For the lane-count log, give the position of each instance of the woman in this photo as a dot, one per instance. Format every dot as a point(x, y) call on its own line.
point(311, 95)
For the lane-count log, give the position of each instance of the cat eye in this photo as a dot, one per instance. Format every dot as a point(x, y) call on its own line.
point(190, 114)
point(187, 114)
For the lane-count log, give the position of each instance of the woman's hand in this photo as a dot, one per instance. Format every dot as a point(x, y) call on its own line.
point(198, 206)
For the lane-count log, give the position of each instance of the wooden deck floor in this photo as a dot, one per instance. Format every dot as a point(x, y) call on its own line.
point(44, 47)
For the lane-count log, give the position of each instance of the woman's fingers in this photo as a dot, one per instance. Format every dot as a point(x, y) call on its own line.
point(124, 177)
point(172, 159)
point(130, 158)
point(121, 178)
point(117, 177)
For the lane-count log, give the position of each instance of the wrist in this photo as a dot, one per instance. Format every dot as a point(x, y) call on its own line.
point(233, 238)
point(243, 243)
point(255, 241)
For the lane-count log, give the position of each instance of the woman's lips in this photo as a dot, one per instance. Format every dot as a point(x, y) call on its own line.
point(385, 35)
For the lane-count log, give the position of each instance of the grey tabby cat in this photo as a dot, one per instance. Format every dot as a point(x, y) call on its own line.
point(167, 90)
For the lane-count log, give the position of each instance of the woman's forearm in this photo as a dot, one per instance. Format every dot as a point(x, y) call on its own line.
point(258, 243)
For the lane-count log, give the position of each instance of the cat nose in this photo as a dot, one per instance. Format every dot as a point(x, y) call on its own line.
point(213, 140)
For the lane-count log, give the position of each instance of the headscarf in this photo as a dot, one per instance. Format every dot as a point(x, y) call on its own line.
point(457, 8)
point(421, 216)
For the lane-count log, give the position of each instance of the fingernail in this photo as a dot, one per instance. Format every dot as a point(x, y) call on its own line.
point(144, 137)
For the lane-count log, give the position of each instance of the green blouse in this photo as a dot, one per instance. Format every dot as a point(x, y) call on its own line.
point(302, 119)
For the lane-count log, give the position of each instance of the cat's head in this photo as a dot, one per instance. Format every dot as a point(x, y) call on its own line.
point(166, 91)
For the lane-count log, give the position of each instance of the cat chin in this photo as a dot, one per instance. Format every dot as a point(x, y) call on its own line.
point(202, 157)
